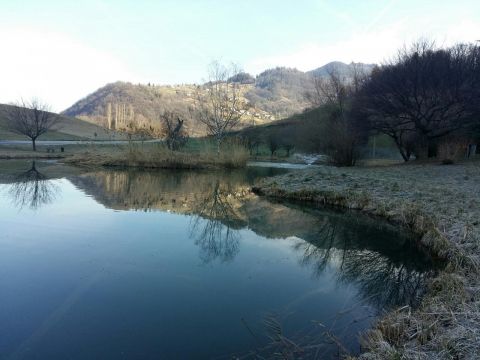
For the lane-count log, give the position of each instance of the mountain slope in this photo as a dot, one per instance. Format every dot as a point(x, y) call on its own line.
point(344, 70)
point(273, 94)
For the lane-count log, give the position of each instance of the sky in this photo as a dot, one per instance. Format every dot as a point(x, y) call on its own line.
point(60, 50)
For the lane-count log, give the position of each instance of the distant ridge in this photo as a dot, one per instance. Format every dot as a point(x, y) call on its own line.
point(272, 95)
point(342, 68)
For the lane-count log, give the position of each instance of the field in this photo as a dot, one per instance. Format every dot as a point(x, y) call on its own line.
point(68, 128)
point(198, 153)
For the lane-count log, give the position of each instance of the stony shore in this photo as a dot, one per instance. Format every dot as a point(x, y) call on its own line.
point(441, 203)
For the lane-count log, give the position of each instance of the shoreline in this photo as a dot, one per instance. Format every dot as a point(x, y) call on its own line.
point(430, 200)
point(163, 160)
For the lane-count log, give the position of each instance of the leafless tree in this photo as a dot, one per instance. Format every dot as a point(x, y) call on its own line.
point(425, 93)
point(330, 89)
point(340, 135)
point(175, 135)
point(218, 105)
point(253, 141)
point(335, 88)
point(32, 188)
point(31, 118)
point(273, 142)
point(215, 225)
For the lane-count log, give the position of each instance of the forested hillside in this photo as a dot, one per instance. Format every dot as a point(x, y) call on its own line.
point(272, 95)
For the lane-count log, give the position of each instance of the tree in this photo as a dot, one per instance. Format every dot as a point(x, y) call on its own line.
point(31, 118)
point(287, 140)
point(335, 88)
point(423, 95)
point(288, 146)
point(253, 141)
point(217, 103)
point(340, 132)
point(273, 142)
point(175, 136)
point(215, 225)
point(32, 188)
point(242, 78)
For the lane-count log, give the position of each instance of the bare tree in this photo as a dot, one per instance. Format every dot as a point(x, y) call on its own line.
point(288, 145)
point(253, 141)
point(31, 118)
point(217, 104)
point(422, 95)
point(340, 135)
point(33, 188)
point(330, 89)
point(215, 225)
point(175, 135)
point(335, 88)
point(273, 142)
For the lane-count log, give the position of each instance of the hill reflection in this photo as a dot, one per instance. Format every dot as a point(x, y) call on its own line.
point(374, 255)
point(374, 265)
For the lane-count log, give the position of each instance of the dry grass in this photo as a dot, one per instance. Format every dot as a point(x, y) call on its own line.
point(440, 203)
point(233, 155)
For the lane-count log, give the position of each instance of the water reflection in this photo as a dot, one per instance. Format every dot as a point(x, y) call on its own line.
point(331, 270)
point(385, 265)
point(32, 189)
point(373, 255)
point(214, 222)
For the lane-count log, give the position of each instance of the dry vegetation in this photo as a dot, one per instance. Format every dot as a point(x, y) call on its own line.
point(440, 203)
point(157, 155)
point(67, 128)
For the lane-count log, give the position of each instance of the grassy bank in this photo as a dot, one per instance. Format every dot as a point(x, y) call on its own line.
point(442, 205)
point(158, 156)
point(199, 155)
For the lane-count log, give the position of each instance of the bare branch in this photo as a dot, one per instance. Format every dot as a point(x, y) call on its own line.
point(31, 118)
point(217, 103)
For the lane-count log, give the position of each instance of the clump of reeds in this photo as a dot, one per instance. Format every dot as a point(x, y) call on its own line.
point(232, 155)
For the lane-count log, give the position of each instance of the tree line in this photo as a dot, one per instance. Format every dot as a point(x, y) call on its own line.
point(423, 98)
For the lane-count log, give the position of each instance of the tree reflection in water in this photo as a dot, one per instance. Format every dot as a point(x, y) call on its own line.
point(380, 263)
point(386, 277)
point(374, 257)
point(386, 274)
point(213, 224)
point(33, 189)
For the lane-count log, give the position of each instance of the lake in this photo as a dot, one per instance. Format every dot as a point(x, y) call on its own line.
point(104, 264)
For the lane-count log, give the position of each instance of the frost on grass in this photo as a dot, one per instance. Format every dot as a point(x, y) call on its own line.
point(440, 203)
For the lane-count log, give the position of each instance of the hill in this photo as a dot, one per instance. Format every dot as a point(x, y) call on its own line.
point(272, 95)
point(67, 128)
point(344, 70)
point(140, 103)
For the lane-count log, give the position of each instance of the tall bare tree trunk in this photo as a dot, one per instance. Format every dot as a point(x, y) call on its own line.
point(109, 115)
point(116, 117)
point(218, 146)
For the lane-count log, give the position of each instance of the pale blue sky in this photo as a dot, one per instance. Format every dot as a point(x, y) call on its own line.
point(63, 50)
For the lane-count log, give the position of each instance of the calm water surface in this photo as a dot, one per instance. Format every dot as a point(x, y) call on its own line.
point(186, 265)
